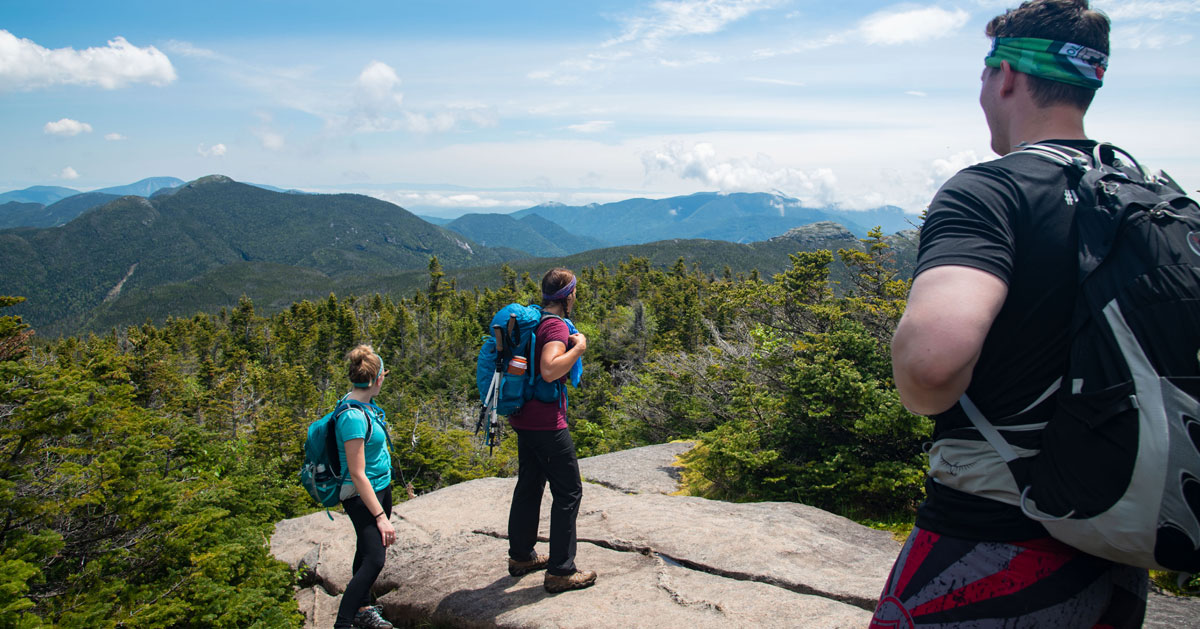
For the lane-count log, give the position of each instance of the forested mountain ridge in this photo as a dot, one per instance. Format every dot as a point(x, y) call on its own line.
point(136, 243)
point(532, 234)
point(273, 287)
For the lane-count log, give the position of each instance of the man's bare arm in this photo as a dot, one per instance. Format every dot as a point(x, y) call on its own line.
point(950, 310)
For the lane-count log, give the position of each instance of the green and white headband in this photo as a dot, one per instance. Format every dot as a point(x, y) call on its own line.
point(1048, 59)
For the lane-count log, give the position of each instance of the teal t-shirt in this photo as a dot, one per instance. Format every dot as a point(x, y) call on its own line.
point(352, 424)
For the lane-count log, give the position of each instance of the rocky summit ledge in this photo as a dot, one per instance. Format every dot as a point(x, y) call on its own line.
point(663, 561)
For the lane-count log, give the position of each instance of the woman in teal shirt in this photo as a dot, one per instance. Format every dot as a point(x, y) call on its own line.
point(367, 492)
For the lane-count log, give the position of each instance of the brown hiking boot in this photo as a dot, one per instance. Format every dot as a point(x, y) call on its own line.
point(518, 568)
point(576, 581)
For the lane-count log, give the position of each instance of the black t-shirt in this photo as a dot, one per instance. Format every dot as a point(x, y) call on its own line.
point(1012, 217)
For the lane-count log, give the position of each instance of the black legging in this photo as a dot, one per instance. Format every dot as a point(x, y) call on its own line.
point(545, 455)
point(369, 555)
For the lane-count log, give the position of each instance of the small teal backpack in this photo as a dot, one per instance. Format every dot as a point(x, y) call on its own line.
point(321, 473)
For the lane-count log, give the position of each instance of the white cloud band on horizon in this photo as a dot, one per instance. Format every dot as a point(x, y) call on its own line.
point(25, 65)
point(700, 163)
point(66, 127)
point(68, 173)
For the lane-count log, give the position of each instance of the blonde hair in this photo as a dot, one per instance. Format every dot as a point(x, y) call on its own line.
point(364, 364)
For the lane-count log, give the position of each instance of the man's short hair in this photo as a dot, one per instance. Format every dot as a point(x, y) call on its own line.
point(1060, 20)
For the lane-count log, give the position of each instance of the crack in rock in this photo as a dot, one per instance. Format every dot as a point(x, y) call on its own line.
point(664, 584)
point(649, 551)
point(612, 486)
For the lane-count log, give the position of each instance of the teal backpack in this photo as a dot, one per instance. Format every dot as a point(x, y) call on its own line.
point(501, 392)
point(321, 473)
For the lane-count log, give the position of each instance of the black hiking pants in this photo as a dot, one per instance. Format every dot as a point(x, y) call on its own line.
point(369, 554)
point(545, 456)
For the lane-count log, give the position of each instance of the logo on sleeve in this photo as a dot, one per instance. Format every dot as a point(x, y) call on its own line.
point(1194, 242)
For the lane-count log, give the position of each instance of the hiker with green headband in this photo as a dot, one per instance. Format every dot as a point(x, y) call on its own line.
point(986, 328)
point(367, 493)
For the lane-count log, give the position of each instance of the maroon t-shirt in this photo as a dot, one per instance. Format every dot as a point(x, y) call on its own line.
point(535, 415)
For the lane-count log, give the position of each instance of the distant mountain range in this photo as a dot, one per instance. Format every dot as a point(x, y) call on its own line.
point(106, 257)
point(532, 234)
point(736, 217)
point(42, 195)
point(132, 244)
point(47, 206)
point(143, 188)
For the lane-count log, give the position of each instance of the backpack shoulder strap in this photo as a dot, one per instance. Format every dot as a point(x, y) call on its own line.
point(1057, 153)
point(343, 405)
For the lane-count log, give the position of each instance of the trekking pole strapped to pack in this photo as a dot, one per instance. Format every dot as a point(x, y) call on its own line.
point(507, 368)
point(503, 338)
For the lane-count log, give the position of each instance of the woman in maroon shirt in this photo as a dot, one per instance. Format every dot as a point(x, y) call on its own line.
point(545, 451)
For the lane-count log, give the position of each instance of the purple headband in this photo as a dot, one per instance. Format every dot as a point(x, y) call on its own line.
point(562, 292)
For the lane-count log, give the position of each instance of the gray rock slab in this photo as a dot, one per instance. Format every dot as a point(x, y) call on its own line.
point(449, 563)
point(662, 560)
point(320, 609)
point(645, 470)
point(1167, 611)
point(794, 546)
point(633, 590)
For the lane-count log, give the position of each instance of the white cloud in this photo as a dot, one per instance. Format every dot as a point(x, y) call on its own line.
point(375, 88)
point(685, 17)
point(943, 169)
point(807, 45)
point(217, 150)
point(784, 82)
point(270, 140)
point(68, 173)
point(187, 49)
point(114, 136)
point(666, 20)
point(1149, 37)
point(377, 108)
point(1123, 10)
point(916, 93)
point(592, 126)
point(892, 26)
point(24, 65)
point(67, 127)
point(696, 59)
point(700, 163)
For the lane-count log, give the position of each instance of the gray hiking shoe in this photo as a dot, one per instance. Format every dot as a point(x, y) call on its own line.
point(576, 581)
point(370, 618)
point(518, 568)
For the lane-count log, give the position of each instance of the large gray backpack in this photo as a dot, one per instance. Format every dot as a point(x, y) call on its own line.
point(1116, 471)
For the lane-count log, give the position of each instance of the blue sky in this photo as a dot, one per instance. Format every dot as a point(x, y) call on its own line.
point(445, 107)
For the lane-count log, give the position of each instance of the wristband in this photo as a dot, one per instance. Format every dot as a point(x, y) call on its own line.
point(379, 514)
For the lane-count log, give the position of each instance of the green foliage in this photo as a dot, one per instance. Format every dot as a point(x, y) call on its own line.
point(141, 471)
